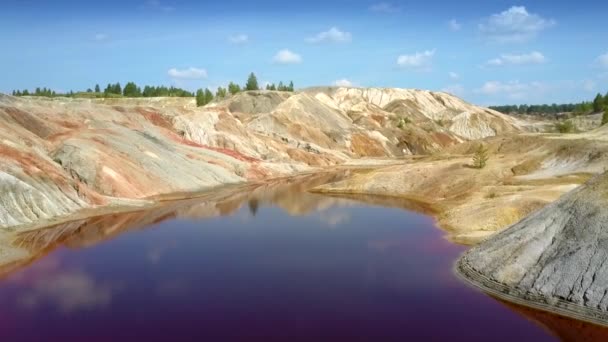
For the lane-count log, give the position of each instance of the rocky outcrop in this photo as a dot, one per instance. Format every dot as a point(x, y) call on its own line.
point(554, 259)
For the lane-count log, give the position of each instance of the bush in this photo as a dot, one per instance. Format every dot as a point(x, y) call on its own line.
point(605, 117)
point(402, 122)
point(565, 126)
point(480, 158)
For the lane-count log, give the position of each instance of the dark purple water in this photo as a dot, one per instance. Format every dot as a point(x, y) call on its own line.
point(353, 272)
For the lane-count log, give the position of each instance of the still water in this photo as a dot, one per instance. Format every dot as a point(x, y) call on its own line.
point(265, 265)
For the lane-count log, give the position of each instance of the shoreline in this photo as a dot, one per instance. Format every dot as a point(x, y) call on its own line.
point(557, 306)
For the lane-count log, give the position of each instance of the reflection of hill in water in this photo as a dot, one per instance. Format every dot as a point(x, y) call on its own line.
point(289, 194)
point(566, 329)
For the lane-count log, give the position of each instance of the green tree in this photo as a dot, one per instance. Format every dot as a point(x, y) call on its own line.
point(281, 87)
point(605, 116)
point(200, 97)
point(220, 93)
point(97, 89)
point(131, 90)
point(252, 82)
point(290, 87)
point(208, 96)
point(233, 88)
point(598, 103)
point(480, 158)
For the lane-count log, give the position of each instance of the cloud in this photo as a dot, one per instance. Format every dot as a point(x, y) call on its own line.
point(453, 75)
point(157, 6)
point(454, 25)
point(68, 292)
point(187, 74)
point(384, 7)
point(455, 89)
point(333, 35)
point(602, 61)
point(239, 39)
point(101, 37)
point(343, 83)
point(418, 61)
point(534, 57)
point(286, 56)
point(514, 25)
point(513, 90)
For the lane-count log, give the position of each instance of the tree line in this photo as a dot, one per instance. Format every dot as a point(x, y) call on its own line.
point(598, 104)
point(205, 96)
point(131, 89)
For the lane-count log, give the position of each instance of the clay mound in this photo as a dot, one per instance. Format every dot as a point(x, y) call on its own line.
point(255, 102)
point(553, 259)
point(463, 119)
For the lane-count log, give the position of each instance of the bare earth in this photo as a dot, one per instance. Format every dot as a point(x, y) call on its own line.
point(71, 159)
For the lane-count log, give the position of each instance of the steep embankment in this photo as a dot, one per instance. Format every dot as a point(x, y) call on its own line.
point(62, 155)
point(554, 259)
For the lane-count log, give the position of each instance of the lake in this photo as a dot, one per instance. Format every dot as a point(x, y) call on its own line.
point(272, 263)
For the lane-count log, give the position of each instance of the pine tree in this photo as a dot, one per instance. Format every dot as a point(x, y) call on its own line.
point(605, 116)
point(208, 96)
point(598, 103)
point(200, 98)
point(220, 93)
point(131, 90)
point(233, 88)
point(252, 83)
point(97, 89)
point(281, 87)
point(290, 87)
point(480, 158)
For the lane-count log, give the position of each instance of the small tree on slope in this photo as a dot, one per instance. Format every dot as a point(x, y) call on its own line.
point(480, 158)
point(605, 116)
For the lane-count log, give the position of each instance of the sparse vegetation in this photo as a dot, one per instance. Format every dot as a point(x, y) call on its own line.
point(480, 158)
point(605, 116)
point(565, 127)
point(440, 122)
point(403, 122)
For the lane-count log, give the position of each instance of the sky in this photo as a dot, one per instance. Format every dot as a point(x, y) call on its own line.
point(487, 52)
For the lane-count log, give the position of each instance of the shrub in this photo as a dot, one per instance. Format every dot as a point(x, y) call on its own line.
point(605, 117)
point(402, 122)
point(565, 126)
point(480, 158)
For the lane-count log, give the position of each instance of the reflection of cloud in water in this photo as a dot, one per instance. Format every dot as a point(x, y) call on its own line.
point(155, 253)
point(334, 219)
point(69, 291)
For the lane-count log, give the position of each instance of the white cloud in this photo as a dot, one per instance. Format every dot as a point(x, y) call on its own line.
point(455, 89)
point(513, 90)
point(157, 5)
point(514, 25)
point(187, 74)
point(333, 35)
point(286, 56)
point(453, 75)
point(454, 25)
point(534, 57)
point(419, 60)
point(343, 83)
point(239, 39)
point(100, 37)
point(68, 292)
point(384, 7)
point(602, 60)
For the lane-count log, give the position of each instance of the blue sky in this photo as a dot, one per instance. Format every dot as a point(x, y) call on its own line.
point(488, 52)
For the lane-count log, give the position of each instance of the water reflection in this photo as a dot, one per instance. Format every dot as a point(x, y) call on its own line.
point(270, 261)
